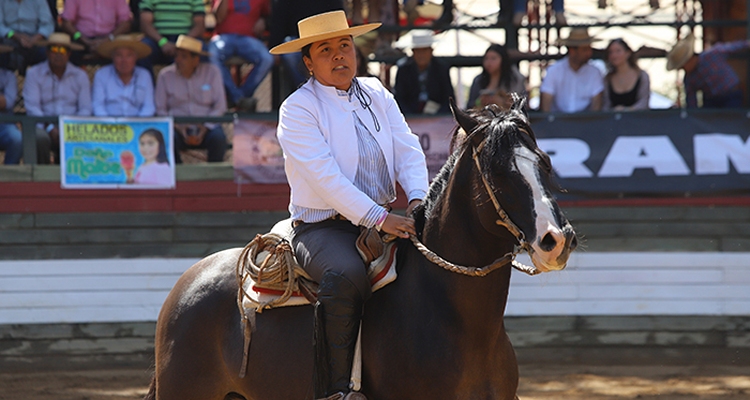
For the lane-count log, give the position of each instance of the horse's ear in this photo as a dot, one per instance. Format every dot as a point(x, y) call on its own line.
point(519, 103)
point(465, 121)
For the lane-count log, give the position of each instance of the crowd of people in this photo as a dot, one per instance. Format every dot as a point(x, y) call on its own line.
point(196, 80)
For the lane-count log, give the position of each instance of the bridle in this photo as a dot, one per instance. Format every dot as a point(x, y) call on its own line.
point(504, 221)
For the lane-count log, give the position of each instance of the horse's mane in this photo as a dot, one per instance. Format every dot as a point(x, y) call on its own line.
point(498, 126)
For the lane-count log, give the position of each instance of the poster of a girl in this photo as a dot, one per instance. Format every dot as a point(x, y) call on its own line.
point(155, 169)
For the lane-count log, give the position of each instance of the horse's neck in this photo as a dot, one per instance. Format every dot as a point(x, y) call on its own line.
point(454, 232)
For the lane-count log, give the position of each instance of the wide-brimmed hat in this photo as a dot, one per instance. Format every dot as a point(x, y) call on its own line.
point(190, 44)
point(422, 39)
point(320, 27)
point(60, 39)
point(577, 37)
point(128, 41)
point(681, 53)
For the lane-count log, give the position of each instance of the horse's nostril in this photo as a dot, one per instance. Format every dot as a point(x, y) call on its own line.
point(548, 242)
point(573, 243)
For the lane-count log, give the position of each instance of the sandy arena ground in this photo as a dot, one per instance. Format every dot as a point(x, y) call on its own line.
point(539, 381)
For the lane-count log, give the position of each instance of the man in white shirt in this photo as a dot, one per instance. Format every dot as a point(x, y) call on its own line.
point(573, 84)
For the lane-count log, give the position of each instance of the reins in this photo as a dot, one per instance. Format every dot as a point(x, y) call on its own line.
point(504, 221)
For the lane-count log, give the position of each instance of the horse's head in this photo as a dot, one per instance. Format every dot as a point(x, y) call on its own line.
point(513, 183)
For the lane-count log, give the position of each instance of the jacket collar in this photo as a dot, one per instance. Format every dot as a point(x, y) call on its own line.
point(330, 95)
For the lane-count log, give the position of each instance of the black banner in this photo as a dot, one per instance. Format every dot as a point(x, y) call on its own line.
point(653, 153)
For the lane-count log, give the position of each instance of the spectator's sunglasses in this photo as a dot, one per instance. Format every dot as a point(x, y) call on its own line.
point(58, 49)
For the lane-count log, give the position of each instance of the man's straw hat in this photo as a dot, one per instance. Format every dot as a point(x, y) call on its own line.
point(60, 39)
point(129, 41)
point(422, 39)
point(577, 37)
point(320, 27)
point(681, 53)
point(190, 44)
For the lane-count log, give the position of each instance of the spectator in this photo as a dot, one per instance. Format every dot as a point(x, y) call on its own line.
point(239, 25)
point(10, 137)
point(284, 17)
point(708, 72)
point(55, 87)
point(498, 79)
point(520, 9)
point(626, 86)
point(93, 22)
point(122, 89)
point(162, 21)
point(24, 24)
point(190, 87)
point(573, 84)
point(423, 84)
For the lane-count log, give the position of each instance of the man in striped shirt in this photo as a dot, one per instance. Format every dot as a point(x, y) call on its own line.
point(162, 21)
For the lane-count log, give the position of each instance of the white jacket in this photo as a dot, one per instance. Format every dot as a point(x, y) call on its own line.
point(316, 132)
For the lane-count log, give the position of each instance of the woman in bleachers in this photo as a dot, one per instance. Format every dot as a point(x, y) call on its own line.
point(626, 86)
point(498, 79)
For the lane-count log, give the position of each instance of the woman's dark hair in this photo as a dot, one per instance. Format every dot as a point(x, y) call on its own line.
point(484, 77)
point(632, 59)
point(156, 134)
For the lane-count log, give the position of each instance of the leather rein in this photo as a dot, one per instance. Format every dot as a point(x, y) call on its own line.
point(504, 221)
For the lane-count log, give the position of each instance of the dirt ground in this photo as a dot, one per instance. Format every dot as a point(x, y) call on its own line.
point(539, 381)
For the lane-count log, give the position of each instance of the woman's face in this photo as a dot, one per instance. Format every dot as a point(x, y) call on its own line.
point(149, 148)
point(617, 55)
point(333, 62)
point(492, 62)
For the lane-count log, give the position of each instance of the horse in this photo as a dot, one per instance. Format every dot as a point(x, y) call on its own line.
point(436, 332)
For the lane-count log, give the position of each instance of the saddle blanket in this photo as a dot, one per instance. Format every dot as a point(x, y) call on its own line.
point(381, 272)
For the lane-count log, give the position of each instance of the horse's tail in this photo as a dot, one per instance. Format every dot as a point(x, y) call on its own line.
point(151, 395)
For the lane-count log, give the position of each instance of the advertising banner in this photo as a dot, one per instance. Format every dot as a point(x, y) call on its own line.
point(122, 153)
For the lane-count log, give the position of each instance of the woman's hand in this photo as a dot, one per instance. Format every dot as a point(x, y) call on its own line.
point(399, 226)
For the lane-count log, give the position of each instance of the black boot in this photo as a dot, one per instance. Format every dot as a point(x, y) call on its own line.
point(338, 312)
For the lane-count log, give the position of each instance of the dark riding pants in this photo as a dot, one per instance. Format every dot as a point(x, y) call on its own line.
point(330, 246)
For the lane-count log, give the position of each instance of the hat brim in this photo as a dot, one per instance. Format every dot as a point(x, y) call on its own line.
point(72, 46)
point(296, 45)
point(575, 42)
point(107, 48)
point(673, 62)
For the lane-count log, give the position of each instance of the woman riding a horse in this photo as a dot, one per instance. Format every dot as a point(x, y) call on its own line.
point(345, 145)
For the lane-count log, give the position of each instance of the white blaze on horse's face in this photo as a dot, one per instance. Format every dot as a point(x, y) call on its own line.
point(549, 243)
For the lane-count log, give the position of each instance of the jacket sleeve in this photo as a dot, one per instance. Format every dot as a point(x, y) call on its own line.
point(307, 154)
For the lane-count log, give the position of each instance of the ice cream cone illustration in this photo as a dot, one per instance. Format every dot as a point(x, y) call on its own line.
point(127, 161)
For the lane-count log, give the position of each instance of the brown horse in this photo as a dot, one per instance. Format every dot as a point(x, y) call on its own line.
point(433, 333)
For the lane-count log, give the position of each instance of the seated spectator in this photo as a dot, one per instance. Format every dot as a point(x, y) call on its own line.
point(24, 24)
point(190, 87)
point(10, 137)
point(573, 84)
point(708, 72)
point(55, 87)
point(498, 79)
point(423, 84)
point(122, 89)
point(93, 22)
point(626, 86)
point(162, 21)
point(239, 25)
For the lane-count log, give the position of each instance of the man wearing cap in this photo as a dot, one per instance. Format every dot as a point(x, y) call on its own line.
point(93, 22)
point(24, 24)
point(11, 141)
point(573, 84)
point(162, 21)
point(123, 89)
point(423, 84)
point(55, 87)
point(708, 72)
point(239, 23)
point(192, 88)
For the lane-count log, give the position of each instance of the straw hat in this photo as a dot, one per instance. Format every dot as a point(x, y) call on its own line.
point(129, 41)
point(681, 53)
point(60, 39)
point(320, 27)
point(577, 37)
point(190, 44)
point(422, 39)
